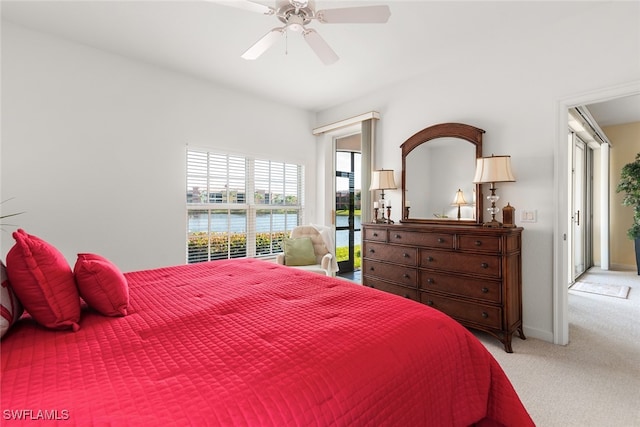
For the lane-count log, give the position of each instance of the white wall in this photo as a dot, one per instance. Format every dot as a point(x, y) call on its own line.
point(93, 147)
point(512, 90)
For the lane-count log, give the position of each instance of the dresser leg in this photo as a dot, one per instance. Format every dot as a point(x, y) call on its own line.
point(507, 339)
point(507, 344)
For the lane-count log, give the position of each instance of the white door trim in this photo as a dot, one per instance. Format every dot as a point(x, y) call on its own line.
point(562, 203)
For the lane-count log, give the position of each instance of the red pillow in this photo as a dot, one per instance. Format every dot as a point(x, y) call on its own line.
point(102, 285)
point(43, 281)
point(10, 307)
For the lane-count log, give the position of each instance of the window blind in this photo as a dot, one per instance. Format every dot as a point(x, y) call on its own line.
point(240, 206)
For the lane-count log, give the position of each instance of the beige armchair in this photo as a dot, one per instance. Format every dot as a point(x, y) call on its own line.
point(324, 262)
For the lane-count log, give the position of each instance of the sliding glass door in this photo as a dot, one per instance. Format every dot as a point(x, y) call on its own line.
point(347, 210)
point(582, 165)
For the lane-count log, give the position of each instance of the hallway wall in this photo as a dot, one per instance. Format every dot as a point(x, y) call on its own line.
point(625, 142)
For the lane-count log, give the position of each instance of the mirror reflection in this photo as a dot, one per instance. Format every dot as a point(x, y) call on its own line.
point(438, 165)
point(435, 171)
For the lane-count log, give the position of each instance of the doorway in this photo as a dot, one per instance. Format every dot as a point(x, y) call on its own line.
point(562, 225)
point(348, 202)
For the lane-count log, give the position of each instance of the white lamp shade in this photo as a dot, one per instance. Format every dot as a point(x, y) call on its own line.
point(493, 169)
point(459, 199)
point(382, 180)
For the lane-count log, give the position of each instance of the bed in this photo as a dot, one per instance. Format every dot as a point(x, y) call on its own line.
point(251, 343)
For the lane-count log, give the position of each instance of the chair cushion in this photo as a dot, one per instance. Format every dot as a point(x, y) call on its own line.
point(43, 281)
point(310, 231)
point(299, 251)
point(314, 268)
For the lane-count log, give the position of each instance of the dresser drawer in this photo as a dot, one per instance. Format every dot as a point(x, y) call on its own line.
point(396, 254)
point(480, 243)
point(473, 274)
point(376, 234)
point(484, 315)
point(395, 273)
point(381, 285)
point(485, 265)
point(431, 240)
point(485, 290)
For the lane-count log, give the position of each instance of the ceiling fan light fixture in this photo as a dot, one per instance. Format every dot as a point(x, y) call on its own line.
point(295, 23)
point(297, 28)
point(299, 3)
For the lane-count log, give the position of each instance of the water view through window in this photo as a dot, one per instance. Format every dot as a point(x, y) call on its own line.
point(237, 223)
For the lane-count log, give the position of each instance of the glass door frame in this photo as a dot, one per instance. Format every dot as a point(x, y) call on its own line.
point(581, 207)
point(350, 264)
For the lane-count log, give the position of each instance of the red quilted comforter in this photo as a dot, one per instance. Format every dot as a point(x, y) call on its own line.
point(252, 343)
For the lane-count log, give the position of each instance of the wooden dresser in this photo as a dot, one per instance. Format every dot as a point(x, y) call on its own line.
point(472, 273)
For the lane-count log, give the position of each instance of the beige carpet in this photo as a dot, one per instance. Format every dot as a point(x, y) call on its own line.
point(593, 381)
point(606, 289)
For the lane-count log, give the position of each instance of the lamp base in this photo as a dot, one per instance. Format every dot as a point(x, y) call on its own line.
point(493, 223)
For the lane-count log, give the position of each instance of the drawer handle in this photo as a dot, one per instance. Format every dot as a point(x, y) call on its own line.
point(375, 234)
point(373, 251)
point(406, 276)
point(478, 243)
point(430, 281)
point(429, 259)
point(485, 290)
point(397, 236)
point(429, 303)
point(485, 315)
point(407, 296)
point(440, 240)
point(405, 255)
point(484, 265)
point(371, 269)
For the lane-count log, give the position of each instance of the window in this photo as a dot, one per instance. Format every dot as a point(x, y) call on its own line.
point(239, 206)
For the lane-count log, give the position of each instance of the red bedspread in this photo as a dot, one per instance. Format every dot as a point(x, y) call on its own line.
point(251, 343)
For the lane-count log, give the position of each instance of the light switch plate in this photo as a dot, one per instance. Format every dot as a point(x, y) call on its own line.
point(529, 216)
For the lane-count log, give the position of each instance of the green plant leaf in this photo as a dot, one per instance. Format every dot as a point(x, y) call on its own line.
point(630, 185)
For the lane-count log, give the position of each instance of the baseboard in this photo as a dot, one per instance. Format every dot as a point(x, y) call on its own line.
point(622, 267)
point(537, 334)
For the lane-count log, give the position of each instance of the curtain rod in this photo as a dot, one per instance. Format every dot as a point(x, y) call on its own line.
point(587, 118)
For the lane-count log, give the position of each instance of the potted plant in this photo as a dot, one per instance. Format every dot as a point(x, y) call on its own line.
point(630, 186)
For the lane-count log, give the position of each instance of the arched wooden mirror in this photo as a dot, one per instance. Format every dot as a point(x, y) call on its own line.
point(438, 165)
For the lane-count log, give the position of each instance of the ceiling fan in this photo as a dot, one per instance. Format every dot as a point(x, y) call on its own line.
point(295, 14)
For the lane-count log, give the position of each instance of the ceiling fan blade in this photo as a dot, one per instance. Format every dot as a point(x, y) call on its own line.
point(251, 6)
point(355, 15)
point(320, 47)
point(264, 43)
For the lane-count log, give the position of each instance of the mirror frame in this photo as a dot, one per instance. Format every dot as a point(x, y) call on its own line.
point(469, 133)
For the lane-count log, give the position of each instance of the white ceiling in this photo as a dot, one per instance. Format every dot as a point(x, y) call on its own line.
point(616, 112)
point(205, 39)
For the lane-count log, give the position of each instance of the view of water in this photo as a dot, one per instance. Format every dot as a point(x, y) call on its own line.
point(238, 224)
point(342, 237)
